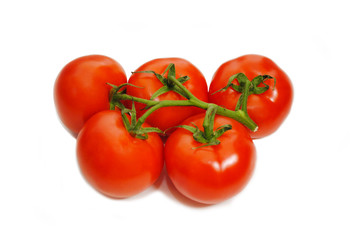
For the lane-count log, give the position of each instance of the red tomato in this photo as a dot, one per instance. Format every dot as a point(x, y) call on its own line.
point(268, 109)
point(81, 91)
point(115, 163)
point(210, 174)
point(167, 117)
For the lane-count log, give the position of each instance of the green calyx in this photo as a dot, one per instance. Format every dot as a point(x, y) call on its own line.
point(132, 126)
point(247, 87)
point(116, 91)
point(208, 136)
point(168, 81)
point(136, 130)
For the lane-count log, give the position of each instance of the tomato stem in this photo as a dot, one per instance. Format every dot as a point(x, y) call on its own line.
point(158, 105)
point(209, 121)
point(239, 114)
point(245, 97)
point(209, 136)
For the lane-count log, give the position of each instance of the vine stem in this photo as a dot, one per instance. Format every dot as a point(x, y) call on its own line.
point(239, 115)
point(209, 121)
point(165, 103)
point(245, 96)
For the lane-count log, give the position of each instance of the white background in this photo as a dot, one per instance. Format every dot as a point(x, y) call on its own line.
point(306, 182)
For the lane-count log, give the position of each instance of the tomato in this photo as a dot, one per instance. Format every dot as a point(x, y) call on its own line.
point(268, 109)
point(81, 89)
point(115, 163)
point(167, 117)
point(210, 174)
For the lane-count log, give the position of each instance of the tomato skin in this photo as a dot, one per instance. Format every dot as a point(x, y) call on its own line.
point(269, 109)
point(167, 117)
point(80, 89)
point(210, 174)
point(112, 161)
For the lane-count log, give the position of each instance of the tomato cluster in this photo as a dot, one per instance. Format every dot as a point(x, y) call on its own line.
point(164, 115)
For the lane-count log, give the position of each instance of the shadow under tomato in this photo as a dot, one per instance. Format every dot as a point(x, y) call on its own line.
point(165, 185)
point(140, 195)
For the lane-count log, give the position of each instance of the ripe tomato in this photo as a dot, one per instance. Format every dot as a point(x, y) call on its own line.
point(210, 174)
point(268, 109)
point(81, 91)
point(112, 161)
point(167, 117)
